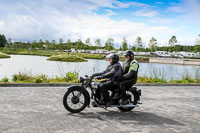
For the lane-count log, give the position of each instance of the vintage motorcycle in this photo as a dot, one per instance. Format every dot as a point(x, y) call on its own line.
point(77, 98)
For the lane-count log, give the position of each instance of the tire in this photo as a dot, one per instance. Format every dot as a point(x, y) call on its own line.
point(72, 91)
point(135, 98)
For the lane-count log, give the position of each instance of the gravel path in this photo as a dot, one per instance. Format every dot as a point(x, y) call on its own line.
point(168, 109)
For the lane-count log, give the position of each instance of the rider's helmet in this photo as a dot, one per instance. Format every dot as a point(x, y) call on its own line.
point(114, 57)
point(129, 53)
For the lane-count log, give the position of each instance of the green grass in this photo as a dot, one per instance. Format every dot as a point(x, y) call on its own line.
point(70, 77)
point(156, 80)
point(28, 52)
point(3, 55)
point(90, 56)
point(66, 58)
point(159, 76)
point(49, 53)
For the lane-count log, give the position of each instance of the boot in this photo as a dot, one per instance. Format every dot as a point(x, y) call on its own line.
point(109, 103)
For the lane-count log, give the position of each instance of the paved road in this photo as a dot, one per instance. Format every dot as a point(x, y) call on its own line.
point(40, 110)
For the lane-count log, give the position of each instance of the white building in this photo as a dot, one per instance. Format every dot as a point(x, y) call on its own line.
point(163, 53)
point(189, 54)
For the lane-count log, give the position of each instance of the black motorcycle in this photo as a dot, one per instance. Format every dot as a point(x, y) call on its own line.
point(77, 97)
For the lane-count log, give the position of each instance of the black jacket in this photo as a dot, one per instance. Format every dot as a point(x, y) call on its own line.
point(113, 71)
point(130, 70)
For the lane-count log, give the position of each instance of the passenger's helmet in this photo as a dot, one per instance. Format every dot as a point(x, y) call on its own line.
point(114, 57)
point(129, 53)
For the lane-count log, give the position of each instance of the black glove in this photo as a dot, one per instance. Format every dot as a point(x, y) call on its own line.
point(94, 75)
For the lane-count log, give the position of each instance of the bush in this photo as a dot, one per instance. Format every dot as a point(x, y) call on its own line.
point(5, 80)
point(71, 76)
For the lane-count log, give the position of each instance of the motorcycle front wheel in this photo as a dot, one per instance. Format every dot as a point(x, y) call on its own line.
point(75, 99)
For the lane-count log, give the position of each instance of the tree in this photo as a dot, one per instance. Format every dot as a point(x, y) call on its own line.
point(53, 44)
point(69, 44)
point(47, 44)
point(177, 48)
point(61, 46)
point(196, 48)
point(138, 44)
point(98, 42)
point(173, 41)
point(109, 44)
point(197, 41)
point(124, 44)
point(9, 43)
point(34, 44)
point(40, 43)
point(197, 44)
point(153, 44)
point(79, 43)
point(87, 41)
point(3, 40)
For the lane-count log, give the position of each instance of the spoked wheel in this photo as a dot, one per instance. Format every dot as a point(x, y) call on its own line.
point(132, 97)
point(75, 99)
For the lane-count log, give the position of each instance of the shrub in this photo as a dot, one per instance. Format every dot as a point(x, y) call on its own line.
point(5, 80)
point(71, 76)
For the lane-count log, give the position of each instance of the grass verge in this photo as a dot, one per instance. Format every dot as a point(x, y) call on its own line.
point(72, 77)
point(3, 55)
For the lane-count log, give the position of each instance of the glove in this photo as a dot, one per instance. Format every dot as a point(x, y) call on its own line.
point(94, 75)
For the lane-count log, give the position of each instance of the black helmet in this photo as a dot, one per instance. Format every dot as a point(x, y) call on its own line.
point(114, 57)
point(129, 53)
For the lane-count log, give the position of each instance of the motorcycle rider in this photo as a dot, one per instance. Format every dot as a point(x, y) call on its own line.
point(112, 73)
point(129, 78)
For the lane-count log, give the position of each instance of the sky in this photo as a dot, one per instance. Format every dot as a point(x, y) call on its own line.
point(28, 20)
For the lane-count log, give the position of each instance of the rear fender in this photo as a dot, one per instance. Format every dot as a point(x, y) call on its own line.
point(138, 91)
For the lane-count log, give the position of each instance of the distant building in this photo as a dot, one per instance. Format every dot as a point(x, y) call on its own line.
point(188, 54)
point(163, 53)
point(102, 51)
point(73, 50)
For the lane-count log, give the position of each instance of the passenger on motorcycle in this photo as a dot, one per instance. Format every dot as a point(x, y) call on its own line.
point(129, 78)
point(112, 73)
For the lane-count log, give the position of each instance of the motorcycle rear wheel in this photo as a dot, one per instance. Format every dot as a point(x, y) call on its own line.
point(133, 99)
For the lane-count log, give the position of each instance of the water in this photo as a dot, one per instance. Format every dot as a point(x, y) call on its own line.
point(39, 65)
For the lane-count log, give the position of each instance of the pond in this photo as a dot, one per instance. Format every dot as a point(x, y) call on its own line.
point(40, 65)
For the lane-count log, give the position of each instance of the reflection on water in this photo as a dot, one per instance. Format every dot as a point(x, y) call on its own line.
point(39, 65)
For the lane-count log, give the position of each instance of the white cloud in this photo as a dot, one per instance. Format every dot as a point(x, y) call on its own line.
point(189, 8)
point(110, 13)
point(158, 20)
point(145, 13)
point(159, 3)
point(193, 9)
point(74, 20)
point(178, 9)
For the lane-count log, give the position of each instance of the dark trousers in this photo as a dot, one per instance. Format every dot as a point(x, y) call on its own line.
point(105, 86)
point(126, 84)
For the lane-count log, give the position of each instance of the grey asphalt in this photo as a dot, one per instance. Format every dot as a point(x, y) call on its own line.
point(165, 109)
